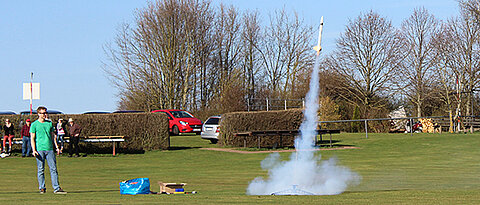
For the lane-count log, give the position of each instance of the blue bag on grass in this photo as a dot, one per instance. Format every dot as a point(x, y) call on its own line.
point(135, 186)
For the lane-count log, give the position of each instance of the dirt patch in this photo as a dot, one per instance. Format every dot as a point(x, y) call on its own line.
point(255, 152)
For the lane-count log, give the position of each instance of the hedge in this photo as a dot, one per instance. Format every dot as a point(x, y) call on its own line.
point(255, 121)
point(143, 131)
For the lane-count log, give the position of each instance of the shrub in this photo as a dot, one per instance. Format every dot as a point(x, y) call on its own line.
point(143, 131)
point(254, 121)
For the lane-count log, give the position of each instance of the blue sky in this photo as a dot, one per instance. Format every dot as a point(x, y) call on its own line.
point(61, 42)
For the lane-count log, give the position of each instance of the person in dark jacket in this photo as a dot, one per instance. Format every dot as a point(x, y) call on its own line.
point(26, 144)
point(8, 128)
point(74, 131)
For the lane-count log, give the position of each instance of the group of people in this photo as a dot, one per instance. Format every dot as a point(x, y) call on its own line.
point(43, 140)
point(61, 129)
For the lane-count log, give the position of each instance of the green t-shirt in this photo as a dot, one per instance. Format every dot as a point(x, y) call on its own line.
point(43, 137)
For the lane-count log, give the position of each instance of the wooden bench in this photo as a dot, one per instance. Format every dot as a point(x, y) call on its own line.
point(281, 133)
point(89, 139)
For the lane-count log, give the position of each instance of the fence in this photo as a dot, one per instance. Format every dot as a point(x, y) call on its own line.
point(258, 104)
point(472, 122)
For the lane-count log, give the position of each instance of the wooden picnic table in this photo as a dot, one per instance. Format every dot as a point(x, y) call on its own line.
point(281, 133)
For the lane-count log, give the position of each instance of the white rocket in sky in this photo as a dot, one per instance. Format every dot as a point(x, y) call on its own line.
point(318, 47)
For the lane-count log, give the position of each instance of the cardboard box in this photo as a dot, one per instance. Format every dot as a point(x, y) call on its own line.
point(170, 188)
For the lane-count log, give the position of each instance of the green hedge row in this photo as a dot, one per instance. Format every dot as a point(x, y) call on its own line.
point(143, 131)
point(255, 121)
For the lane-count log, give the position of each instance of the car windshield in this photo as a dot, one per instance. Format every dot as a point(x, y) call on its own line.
point(212, 121)
point(181, 114)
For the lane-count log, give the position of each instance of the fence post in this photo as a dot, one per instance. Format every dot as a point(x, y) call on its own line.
point(267, 103)
point(248, 104)
point(366, 129)
point(285, 104)
point(472, 119)
point(411, 127)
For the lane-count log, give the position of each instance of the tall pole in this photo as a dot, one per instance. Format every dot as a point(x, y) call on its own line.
point(366, 129)
point(471, 110)
point(31, 92)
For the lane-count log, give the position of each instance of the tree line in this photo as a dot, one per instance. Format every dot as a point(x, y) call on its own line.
point(194, 55)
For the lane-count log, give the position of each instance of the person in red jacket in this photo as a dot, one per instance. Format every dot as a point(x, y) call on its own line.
point(26, 144)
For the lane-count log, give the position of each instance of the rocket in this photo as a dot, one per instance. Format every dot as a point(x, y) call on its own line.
point(318, 47)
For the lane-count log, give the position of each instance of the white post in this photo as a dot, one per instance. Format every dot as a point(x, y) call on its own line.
point(411, 127)
point(31, 92)
point(285, 104)
point(267, 103)
point(366, 129)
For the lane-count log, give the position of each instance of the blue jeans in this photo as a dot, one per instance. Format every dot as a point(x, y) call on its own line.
point(26, 146)
point(52, 164)
point(60, 140)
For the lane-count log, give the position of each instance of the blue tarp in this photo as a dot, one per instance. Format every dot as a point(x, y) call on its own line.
point(135, 186)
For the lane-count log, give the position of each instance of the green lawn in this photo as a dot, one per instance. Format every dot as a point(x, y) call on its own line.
point(395, 168)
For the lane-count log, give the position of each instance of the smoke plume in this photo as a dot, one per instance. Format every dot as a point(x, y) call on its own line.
point(304, 173)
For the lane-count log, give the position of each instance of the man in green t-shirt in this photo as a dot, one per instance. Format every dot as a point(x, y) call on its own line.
point(41, 132)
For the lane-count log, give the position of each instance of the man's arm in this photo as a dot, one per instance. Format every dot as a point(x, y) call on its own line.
point(52, 133)
point(32, 142)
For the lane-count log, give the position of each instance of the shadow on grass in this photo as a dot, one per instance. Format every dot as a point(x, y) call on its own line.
point(335, 143)
point(36, 192)
point(93, 191)
point(381, 190)
point(182, 148)
point(92, 150)
point(275, 146)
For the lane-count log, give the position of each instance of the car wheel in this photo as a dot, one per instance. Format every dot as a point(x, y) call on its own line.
point(214, 141)
point(175, 130)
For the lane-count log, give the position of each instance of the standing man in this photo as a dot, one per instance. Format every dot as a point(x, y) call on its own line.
point(74, 132)
point(43, 144)
point(26, 144)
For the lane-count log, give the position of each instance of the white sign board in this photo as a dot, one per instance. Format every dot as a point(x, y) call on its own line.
point(35, 90)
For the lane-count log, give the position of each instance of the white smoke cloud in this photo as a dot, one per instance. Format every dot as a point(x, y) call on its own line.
point(314, 176)
point(304, 174)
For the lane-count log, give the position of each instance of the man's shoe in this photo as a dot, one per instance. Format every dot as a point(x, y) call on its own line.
point(42, 191)
point(60, 191)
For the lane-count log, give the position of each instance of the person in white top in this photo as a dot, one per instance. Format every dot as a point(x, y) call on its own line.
point(60, 131)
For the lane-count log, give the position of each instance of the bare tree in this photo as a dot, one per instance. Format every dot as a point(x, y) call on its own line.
point(417, 33)
point(471, 8)
point(368, 56)
point(444, 75)
point(226, 56)
point(465, 59)
point(155, 62)
point(250, 54)
point(284, 50)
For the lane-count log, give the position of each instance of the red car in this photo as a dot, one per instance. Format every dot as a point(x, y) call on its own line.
point(181, 121)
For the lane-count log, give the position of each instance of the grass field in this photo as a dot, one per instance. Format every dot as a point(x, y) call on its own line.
point(395, 169)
